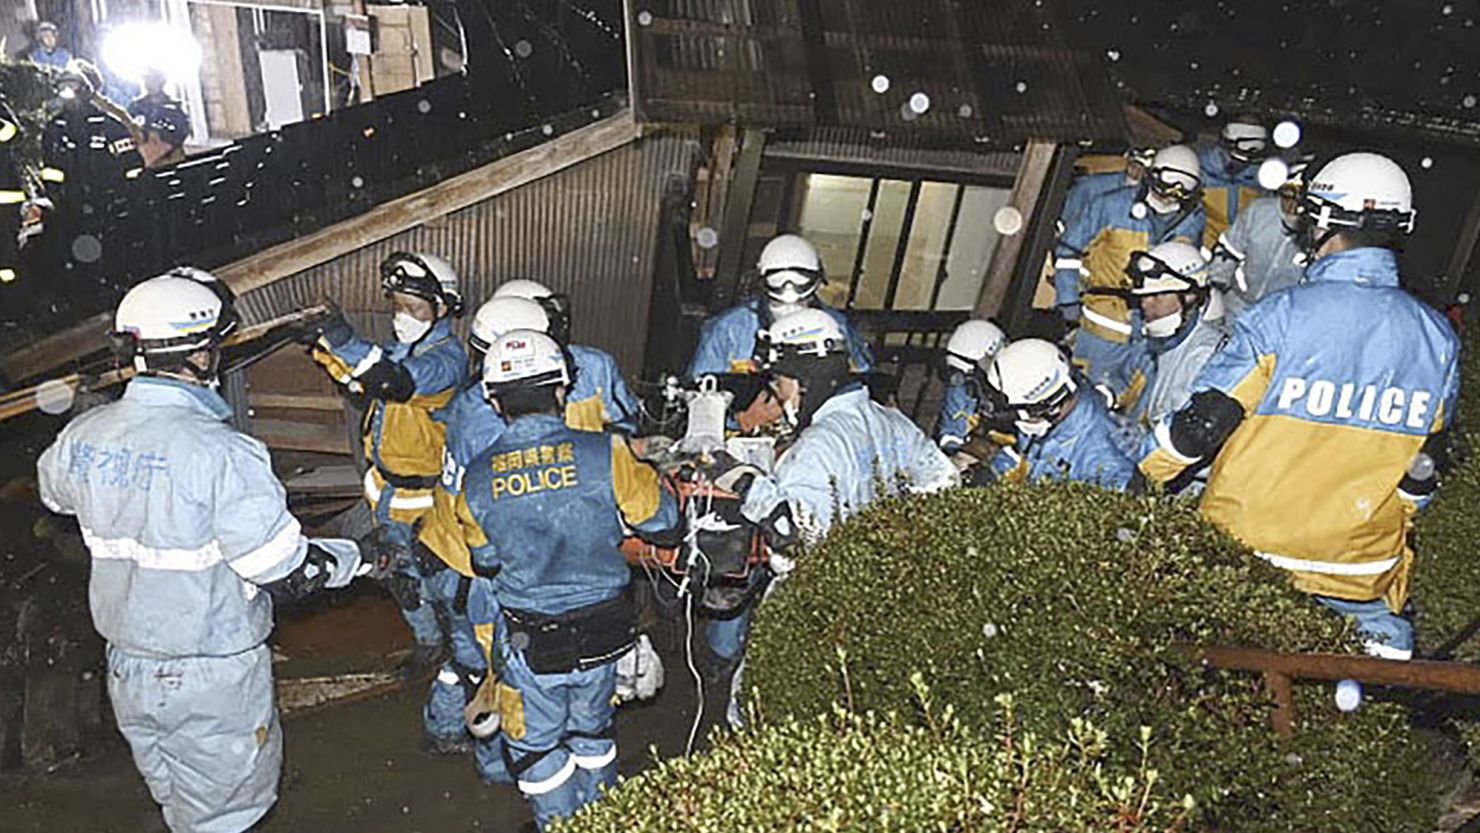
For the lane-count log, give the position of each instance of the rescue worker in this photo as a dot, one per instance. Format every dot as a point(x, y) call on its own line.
point(792, 273)
point(968, 352)
point(402, 383)
point(1093, 252)
point(164, 123)
point(848, 448)
point(1064, 430)
point(1230, 173)
point(544, 511)
point(472, 426)
point(192, 544)
point(1088, 186)
point(49, 52)
point(1322, 415)
point(1260, 253)
point(1183, 324)
point(599, 396)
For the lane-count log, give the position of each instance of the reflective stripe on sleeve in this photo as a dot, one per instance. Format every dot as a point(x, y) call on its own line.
point(1229, 247)
point(1382, 651)
point(1106, 322)
point(153, 558)
point(1163, 433)
point(371, 359)
point(1330, 568)
point(272, 553)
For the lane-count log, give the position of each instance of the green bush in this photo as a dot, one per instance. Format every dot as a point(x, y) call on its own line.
point(1076, 600)
point(849, 772)
point(1446, 572)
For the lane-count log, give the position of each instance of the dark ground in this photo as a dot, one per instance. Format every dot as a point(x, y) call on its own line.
point(351, 767)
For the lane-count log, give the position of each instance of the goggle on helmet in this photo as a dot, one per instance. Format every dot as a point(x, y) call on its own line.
point(409, 274)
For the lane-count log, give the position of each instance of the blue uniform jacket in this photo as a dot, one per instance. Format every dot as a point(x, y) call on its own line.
point(1084, 189)
point(1227, 189)
point(1096, 247)
point(958, 411)
point(727, 342)
point(853, 448)
point(1341, 380)
point(183, 517)
point(546, 505)
point(1084, 447)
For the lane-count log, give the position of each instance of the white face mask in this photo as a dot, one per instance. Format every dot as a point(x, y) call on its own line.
point(1160, 204)
point(1033, 427)
point(1166, 326)
point(409, 329)
point(780, 310)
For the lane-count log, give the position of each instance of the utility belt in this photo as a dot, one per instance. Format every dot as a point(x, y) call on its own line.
point(577, 639)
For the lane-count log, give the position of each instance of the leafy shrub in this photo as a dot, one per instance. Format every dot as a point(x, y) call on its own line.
point(850, 772)
point(1076, 600)
point(1446, 572)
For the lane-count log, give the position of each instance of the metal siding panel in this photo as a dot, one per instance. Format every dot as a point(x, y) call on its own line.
point(589, 231)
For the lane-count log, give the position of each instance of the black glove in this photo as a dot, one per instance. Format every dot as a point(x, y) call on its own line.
point(388, 381)
point(332, 327)
point(385, 556)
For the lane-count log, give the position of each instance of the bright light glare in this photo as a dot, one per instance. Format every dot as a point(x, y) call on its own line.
point(1286, 134)
point(132, 49)
point(1273, 173)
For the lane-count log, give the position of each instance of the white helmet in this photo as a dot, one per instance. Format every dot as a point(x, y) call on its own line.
point(807, 333)
point(973, 344)
point(1359, 191)
point(164, 319)
point(523, 359)
point(1175, 174)
point(1174, 266)
point(791, 269)
point(501, 315)
point(557, 305)
point(1034, 378)
point(424, 276)
point(1245, 140)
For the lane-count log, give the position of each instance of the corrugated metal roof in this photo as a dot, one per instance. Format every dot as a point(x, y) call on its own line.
point(589, 231)
point(860, 147)
point(991, 72)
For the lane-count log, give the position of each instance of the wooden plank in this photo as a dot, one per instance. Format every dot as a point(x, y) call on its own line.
point(421, 45)
point(300, 436)
point(1459, 677)
point(296, 401)
point(391, 218)
point(1026, 192)
point(1464, 248)
point(230, 75)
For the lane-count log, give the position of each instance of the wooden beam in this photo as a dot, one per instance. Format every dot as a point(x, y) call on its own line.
point(296, 401)
point(739, 198)
point(1459, 677)
point(288, 435)
point(383, 221)
point(1026, 192)
point(1464, 249)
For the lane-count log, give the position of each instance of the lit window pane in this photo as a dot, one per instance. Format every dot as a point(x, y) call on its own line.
point(922, 260)
point(883, 242)
point(831, 218)
point(971, 247)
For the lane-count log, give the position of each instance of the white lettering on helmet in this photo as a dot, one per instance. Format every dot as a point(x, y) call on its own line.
point(1390, 406)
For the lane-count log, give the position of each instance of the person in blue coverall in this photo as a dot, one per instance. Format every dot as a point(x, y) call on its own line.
point(1064, 430)
point(403, 383)
point(850, 450)
point(473, 426)
point(192, 544)
point(543, 511)
point(791, 270)
point(1230, 172)
point(1094, 249)
point(1324, 415)
point(968, 352)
